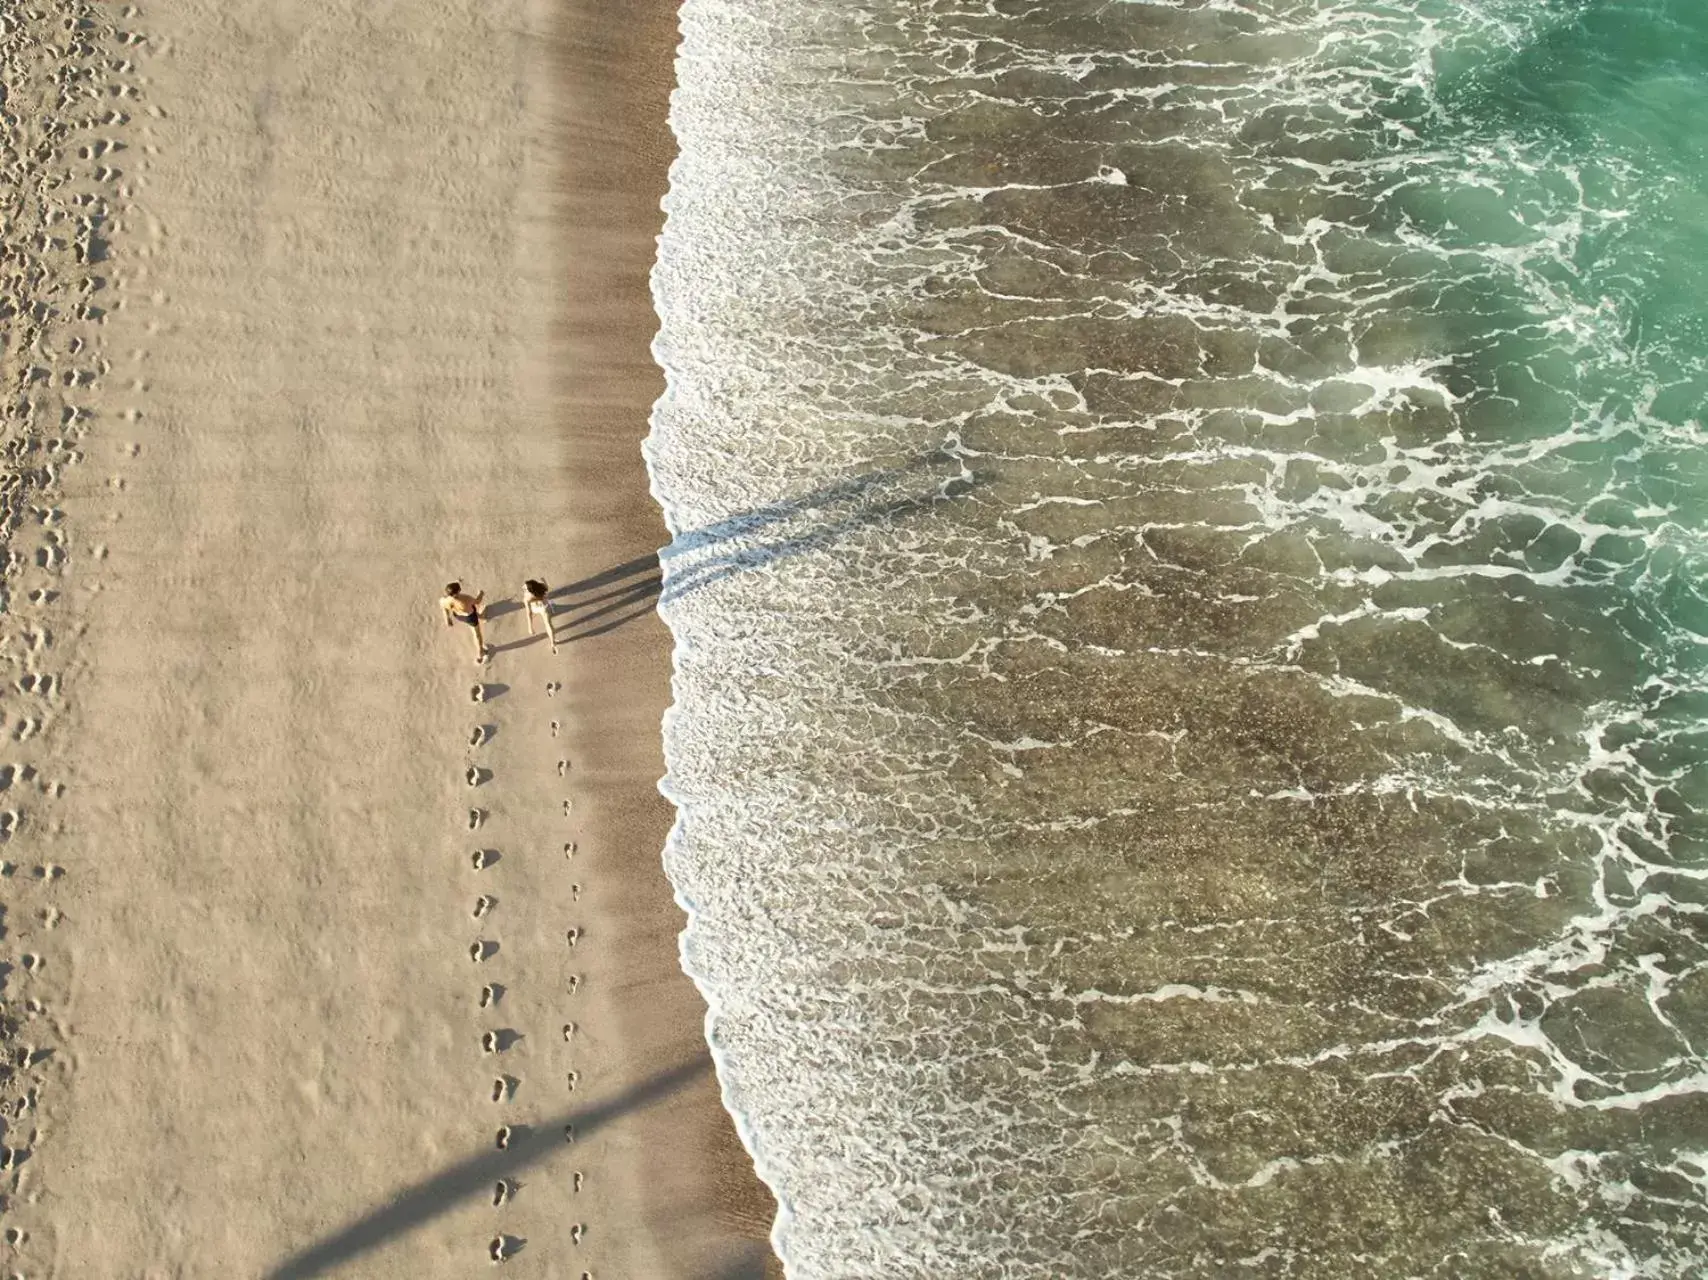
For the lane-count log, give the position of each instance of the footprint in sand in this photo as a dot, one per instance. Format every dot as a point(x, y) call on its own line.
point(578, 1181)
point(562, 768)
point(568, 1032)
point(477, 736)
point(489, 1042)
point(476, 817)
point(500, 1089)
point(552, 686)
point(500, 1192)
point(554, 728)
point(569, 849)
point(574, 981)
point(575, 893)
point(573, 1079)
point(20, 773)
point(577, 1232)
point(477, 693)
point(483, 904)
point(503, 1139)
point(572, 936)
point(475, 775)
point(568, 806)
point(569, 1133)
point(481, 859)
point(481, 950)
point(503, 1248)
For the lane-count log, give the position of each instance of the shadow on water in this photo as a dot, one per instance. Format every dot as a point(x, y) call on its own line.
point(853, 489)
point(842, 507)
point(475, 1176)
point(873, 497)
point(703, 573)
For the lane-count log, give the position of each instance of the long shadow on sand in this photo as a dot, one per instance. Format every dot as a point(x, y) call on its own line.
point(882, 495)
point(474, 1176)
point(753, 1267)
point(599, 614)
point(632, 569)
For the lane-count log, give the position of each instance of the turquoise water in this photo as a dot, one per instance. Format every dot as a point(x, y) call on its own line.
point(1190, 692)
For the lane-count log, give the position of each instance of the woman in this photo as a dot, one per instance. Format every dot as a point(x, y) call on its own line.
point(459, 607)
point(539, 607)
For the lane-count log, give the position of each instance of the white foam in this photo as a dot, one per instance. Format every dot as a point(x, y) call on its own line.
point(893, 1044)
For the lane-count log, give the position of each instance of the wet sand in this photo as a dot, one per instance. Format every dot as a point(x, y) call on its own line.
point(347, 956)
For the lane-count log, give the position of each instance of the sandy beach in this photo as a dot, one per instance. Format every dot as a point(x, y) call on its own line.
point(331, 951)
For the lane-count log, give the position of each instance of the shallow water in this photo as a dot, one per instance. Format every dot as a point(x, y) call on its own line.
point(1189, 731)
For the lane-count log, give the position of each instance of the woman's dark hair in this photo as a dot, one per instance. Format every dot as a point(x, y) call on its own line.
point(453, 588)
point(536, 588)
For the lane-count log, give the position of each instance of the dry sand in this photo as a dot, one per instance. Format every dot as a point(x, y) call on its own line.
point(371, 313)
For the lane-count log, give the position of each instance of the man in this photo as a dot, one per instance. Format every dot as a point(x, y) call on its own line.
point(459, 607)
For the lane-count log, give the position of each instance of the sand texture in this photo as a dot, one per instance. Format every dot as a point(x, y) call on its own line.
point(333, 952)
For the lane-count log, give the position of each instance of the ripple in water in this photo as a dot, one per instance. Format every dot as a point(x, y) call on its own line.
point(1189, 522)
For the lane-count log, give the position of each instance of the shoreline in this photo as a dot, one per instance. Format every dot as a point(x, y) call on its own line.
point(610, 119)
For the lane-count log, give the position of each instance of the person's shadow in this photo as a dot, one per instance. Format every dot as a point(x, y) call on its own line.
point(633, 596)
point(408, 1208)
point(539, 637)
point(753, 539)
point(576, 615)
